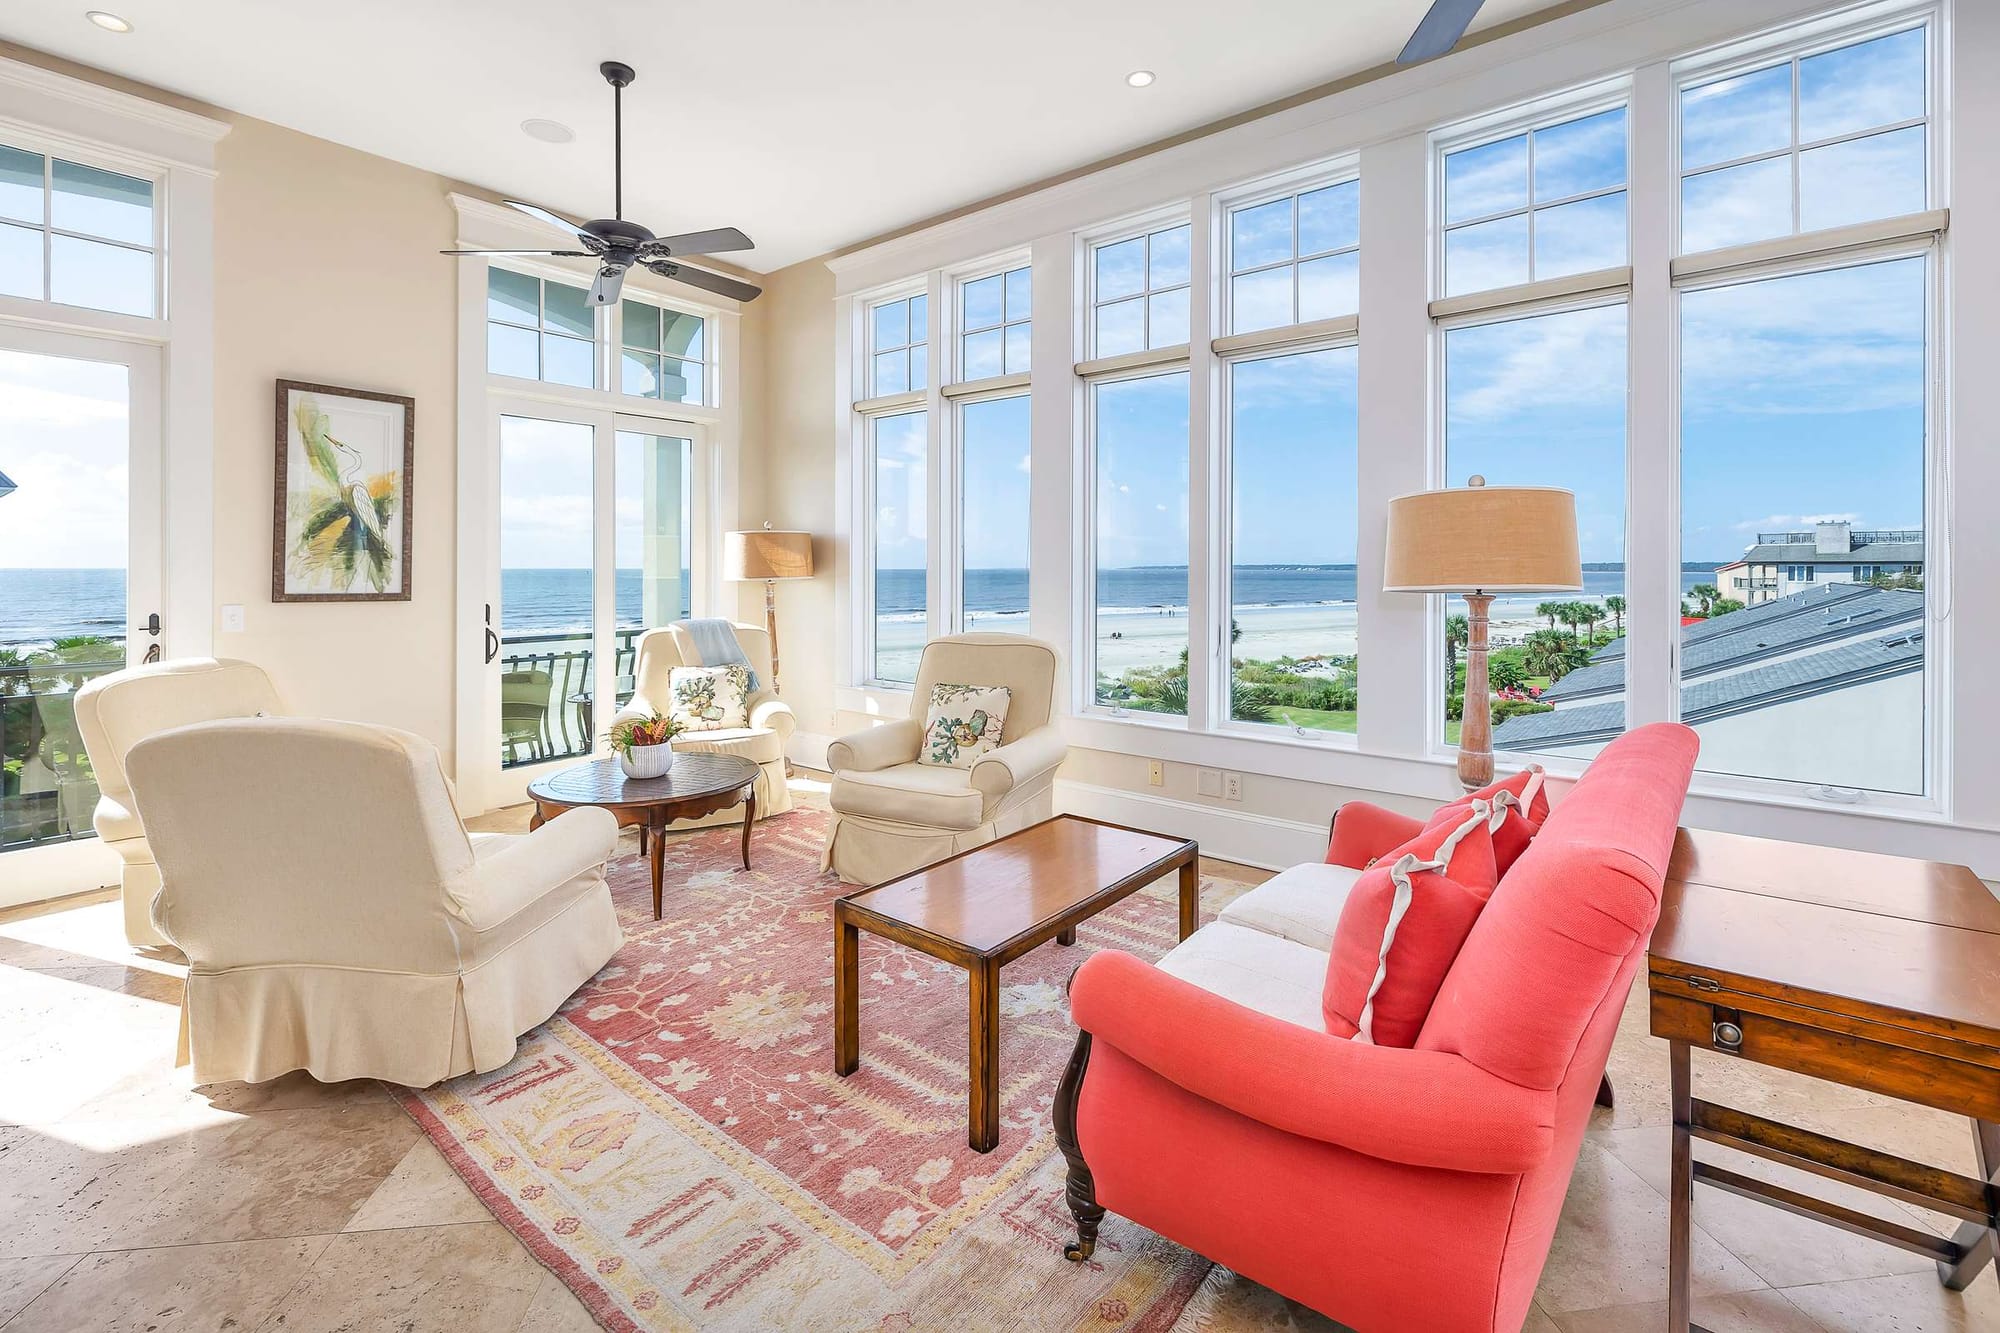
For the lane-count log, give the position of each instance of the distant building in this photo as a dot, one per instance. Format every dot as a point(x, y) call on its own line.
point(1779, 564)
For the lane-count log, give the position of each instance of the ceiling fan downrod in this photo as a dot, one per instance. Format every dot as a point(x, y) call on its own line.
point(618, 75)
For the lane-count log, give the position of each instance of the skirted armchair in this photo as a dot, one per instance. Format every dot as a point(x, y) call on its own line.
point(337, 918)
point(116, 712)
point(762, 742)
point(892, 815)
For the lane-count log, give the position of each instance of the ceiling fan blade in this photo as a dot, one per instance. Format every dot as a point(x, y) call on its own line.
point(543, 214)
point(1439, 32)
point(610, 281)
point(560, 254)
point(708, 282)
point(721, 240)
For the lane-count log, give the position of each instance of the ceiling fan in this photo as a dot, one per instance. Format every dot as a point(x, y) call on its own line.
point(617, 244)
point(1439, 32)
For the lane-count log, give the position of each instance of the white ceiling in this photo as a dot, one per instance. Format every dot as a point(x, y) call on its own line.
point(811, 124)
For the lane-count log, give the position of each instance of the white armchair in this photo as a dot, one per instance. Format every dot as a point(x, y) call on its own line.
point(762, 742)
point(335, 915)
point(892, 814)
point(116, 712)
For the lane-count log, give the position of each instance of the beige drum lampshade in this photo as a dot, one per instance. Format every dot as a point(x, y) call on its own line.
point(1482, 538)
point(765, 554)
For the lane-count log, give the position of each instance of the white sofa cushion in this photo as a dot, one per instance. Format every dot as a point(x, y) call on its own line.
point(1257, 970)
point(760, 745)
point(927, 794)
point(1301, 904)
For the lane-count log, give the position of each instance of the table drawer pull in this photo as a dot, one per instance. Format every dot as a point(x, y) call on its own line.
point(1703, 984)
point(1727, 1034)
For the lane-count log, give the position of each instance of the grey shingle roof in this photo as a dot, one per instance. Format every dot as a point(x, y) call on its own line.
point(1807, 553)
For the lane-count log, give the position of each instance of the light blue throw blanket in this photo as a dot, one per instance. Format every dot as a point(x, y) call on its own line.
point(716, 641)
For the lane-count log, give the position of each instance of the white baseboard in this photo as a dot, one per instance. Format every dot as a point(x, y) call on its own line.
point(807, 749)
point(1230, 835)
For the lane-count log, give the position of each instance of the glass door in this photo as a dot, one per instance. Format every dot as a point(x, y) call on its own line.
point(80, 578)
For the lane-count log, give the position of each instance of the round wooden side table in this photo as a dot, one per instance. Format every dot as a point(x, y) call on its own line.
point(697, 784)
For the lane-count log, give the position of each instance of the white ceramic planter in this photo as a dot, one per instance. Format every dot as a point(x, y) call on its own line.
point(647, 761)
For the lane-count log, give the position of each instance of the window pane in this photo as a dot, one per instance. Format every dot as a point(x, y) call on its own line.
point(567, 309)
point(1862, 179)
point(1487, 255)
point(1292, 518)
point(102, 203)
point(546, 559)
point(1121, 328)
point(1580, 237)
point(512, 351)
point(1541, 402)
point(1020, 294)
point(985, 354)
point(993, 477)
point(920, 329)
point(102, 277)
point(901, 552)
point(1260, 300)
point(1260, 235)
point(1803, 455)
point(1737, 205)
point(1121, 269)
point(1169, 262)
point(919, 366)
point(639, 374)
point(1167, 318)
point(984, 302)
point(1140, 438)
point(1863, 86)
point(652, 536)
point(1018, 353)
point(1330, 219)
point(682, 381)
point(642, 326)
point(683, 334)
point(568, 361)
point(21, 262)
point(514, 297)
point(1330, 287)
point(1581, 156)
point(892, 373)
point(21, 185)
point(1736, 117)
point(1489, 179)
point(892, 324)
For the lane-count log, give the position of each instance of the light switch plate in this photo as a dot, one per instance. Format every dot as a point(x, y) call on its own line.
point(232, 618)
point(1207, 782)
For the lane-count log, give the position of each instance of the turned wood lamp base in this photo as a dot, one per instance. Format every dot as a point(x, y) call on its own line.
point(1475, 727)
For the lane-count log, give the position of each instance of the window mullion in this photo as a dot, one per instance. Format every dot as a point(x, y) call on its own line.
point(1652, 536)
point(1208, 545)
point(941, 430)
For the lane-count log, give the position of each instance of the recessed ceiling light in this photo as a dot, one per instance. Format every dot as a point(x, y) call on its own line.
point(108, 22)
point(1139, 78)
point(548, 131)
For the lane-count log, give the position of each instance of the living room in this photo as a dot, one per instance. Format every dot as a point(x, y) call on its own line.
point(1282, 674)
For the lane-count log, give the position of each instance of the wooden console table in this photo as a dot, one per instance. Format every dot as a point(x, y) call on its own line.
point(1875, 972)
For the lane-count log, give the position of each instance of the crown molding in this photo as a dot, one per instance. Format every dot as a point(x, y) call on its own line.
point(198, 129)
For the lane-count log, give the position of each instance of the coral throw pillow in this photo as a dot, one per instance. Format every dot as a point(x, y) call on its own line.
point(709, 698)
point(1405, 919)
point(964, 723)
point(1520, 804)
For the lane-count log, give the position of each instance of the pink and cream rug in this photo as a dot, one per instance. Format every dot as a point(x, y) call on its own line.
point(676, 1146)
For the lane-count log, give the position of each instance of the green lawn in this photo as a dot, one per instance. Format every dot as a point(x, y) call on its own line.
point(1315, 719)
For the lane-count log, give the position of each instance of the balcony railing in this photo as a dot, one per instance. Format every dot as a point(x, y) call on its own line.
point(47, 788)
point(547, 709)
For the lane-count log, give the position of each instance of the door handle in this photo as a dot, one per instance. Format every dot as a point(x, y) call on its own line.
point(492, 639)
point(152, 627)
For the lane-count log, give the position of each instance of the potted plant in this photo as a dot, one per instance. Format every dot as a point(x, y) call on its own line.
point(644, 745)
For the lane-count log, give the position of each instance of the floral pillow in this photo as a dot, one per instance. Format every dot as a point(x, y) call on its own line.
point(709, 698)
point(963, 724)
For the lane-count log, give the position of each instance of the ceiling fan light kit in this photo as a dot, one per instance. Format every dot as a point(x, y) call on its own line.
point(617, 245)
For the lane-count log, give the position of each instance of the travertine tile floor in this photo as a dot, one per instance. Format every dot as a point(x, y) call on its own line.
point(129, 1200)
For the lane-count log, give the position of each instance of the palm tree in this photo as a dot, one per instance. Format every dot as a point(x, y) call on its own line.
point(1551, 610)
point(1593, 615)
point(1457, 633)
point(1705, 594)
point(1616, 606)
point(1571, 614)
point(1547, 654)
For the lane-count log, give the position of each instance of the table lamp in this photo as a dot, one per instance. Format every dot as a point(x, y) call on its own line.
point(1478, 541)
point(768, 555)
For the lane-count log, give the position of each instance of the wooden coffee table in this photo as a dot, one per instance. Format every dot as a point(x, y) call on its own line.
point(697, 784)
point(984, 908)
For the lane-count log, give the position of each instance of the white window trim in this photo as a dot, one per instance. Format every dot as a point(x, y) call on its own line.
point(956, 281)
point(1345, 170)
point(1126, 229)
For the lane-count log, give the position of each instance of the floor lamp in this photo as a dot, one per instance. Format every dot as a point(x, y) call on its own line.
point(1478, 541)
point(768, 555)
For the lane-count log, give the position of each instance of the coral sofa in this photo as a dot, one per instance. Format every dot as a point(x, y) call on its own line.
point(1389, 1188)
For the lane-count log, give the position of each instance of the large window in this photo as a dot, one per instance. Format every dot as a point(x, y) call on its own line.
point(993, 451)
point(1546, 203)
point(76, 235)
point(994, 314)
point(898, 481)
point(1296, 259)
point(665, 353)
point(1816, 141)
point(1292, 629)
point(1139, 559)
point(1139, 292)
point(898, 346)
point(539, 329)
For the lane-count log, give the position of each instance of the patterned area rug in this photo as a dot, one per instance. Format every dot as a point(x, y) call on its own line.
point(676, 1146)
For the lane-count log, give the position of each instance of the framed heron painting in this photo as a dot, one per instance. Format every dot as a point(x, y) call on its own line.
point(341, 513)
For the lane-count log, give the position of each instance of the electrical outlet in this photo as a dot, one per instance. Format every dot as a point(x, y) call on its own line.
point(1156, 774)
point(232, 618)
point(1207, 782)
point(1232, 786)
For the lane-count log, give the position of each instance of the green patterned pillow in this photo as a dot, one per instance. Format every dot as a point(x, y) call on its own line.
point(709, 698)
point(963, 724)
